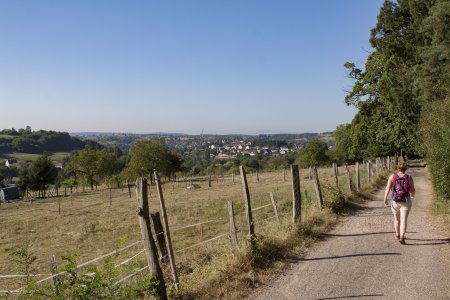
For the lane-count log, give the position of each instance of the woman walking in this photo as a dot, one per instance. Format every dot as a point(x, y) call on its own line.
point(402, 187)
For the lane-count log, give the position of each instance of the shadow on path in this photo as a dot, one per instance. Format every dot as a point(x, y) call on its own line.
point(326, 235)
point(344, 256)
point(352, 296)
point(372, 215)
point(427, 242)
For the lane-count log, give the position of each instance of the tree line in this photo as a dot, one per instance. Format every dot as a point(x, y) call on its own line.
point(93, 167)
point(37, 142)
point(402, 93)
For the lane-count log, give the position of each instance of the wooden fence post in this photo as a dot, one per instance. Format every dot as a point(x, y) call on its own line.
point(232, 177)
point(315, 176)
point(159, 233)
point(149, 243)
point(296, 196)
point(336, 173)
point(284, 174)
point(349, 179)
point(248, 208)
point(257, 176)
point(110, 197)
point(275, 208)
point(369, 171)
point(358, 183)
point(129, 190)
point(54, 271)
point(233, 235)
point(378, 165)
point(209, 181)
point(59, 205)
point(166, 228)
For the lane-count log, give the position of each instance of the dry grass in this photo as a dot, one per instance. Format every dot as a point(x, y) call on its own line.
point(89, 227)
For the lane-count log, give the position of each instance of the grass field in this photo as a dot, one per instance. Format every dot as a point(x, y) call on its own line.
point(55, 157)
point(89, 226)
point(6, 136)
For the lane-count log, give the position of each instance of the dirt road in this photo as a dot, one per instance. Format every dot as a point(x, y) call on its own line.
point(362, 259)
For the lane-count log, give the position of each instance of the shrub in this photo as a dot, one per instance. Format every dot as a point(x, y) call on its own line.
point(334, 198)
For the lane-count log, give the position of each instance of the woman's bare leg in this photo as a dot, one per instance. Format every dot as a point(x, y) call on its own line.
point(397, 223)
point(403, 222)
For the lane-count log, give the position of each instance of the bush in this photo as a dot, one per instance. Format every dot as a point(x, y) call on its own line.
point(334, 199)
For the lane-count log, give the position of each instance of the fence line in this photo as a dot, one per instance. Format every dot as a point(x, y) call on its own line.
point(92, 260)
point(21, 275)
point(108, 254)
point(201, 243)
point(131, 275)
point(91, 197)
point(129, 259)
point(83, 207)
point(193, 225)
point(264, 220)
point(261, 207)
point(78, 266)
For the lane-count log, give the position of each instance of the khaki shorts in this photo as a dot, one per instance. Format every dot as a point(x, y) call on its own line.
point(399, 206)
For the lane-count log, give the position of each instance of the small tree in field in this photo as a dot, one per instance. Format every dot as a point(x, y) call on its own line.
point(91, 166)
point(148, 155)
point(37, 176)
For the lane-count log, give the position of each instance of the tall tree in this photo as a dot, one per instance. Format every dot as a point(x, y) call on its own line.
point(314, 154)
point(403, 93)
point(433, 91)
point(384, 91)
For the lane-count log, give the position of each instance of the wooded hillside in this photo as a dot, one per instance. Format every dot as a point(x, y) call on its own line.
point(28, 141)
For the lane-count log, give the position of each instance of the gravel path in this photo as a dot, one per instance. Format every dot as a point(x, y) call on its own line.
point(362, 259)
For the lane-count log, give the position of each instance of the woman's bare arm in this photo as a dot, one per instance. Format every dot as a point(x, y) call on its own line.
point(412, 189)
point(387, 190)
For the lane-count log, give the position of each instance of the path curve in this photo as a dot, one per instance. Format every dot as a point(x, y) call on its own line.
point(362, 259)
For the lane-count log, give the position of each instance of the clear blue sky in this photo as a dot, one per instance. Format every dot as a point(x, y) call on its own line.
point(180, 66)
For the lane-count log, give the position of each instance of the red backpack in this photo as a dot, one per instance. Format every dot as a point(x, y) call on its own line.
point(400, 188)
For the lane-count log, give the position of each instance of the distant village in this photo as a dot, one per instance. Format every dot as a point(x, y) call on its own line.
point(231, 150)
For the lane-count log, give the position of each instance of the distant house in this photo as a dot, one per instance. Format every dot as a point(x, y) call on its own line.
point(284, 150)
point(9, 193)
point(10, 161)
